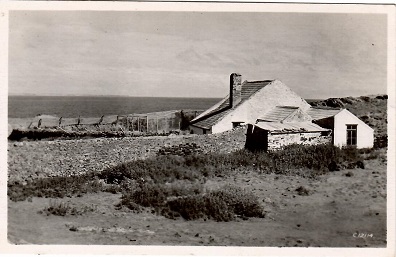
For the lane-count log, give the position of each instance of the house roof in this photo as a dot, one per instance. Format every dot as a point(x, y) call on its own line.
point(277, 127)
point(248, 88)
point(318, 113)
point(278, 114)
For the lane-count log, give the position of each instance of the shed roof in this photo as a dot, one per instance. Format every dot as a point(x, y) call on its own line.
point(248, 88)
point(318, 113)
point(278, 114)
point(301, 127)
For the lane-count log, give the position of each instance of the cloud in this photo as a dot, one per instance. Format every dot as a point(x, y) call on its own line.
point(192, 54)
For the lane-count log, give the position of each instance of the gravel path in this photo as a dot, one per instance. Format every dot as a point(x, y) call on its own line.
point(28, 160)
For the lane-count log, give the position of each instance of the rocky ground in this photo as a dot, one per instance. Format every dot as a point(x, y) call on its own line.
point(32, 159)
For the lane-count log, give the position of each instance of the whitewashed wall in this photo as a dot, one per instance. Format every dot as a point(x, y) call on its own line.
point(365, 134)
point(272, 95)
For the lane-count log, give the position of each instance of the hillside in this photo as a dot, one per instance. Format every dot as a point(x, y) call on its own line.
point(370, 109)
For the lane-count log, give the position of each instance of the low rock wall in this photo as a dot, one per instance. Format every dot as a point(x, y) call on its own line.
point(277, 141)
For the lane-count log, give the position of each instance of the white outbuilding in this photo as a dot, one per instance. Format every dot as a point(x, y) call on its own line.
point(348, 130)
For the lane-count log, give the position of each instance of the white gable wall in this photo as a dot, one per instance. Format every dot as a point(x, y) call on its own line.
point(272, 95)
point(365, 134)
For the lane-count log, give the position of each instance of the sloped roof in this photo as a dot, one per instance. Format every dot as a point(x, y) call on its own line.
point(278, 114)
point(321, 113)
point(277, 127)
point(248, 89)
point(208, 122)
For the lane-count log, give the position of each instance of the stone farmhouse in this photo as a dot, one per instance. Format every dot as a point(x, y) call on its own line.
point(277, 116)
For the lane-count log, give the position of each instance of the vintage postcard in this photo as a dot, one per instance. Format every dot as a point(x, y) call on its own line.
point(152, 128)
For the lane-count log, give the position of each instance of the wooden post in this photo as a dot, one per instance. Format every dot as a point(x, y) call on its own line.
point(132, 124)
point(138, 124)
point(147, 124)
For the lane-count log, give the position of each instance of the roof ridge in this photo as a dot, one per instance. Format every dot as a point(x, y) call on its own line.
point(326, 108)
point(288, 106)
point(259, 81)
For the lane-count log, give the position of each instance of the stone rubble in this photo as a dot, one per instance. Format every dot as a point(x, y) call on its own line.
point(33, 159)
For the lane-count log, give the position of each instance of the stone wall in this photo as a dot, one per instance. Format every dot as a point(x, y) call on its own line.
point(276, 141)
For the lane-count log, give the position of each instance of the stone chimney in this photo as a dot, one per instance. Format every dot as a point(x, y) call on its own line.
point(235, 89)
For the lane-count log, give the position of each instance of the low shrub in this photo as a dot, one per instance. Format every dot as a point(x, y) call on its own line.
point(160, 169)
point(188, 207)
point(239, 201)
point(156, 195)
point(54, 187)
point(63, 209)
point(191, 204)
point(303, 191)
point(220, 205)
point(381, 141)
point(349, 174)
point(58, 209)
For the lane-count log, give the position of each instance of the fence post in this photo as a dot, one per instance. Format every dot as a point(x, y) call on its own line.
point(138, 120)
point(147, 124)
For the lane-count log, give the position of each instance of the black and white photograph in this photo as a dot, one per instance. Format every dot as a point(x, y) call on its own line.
point(202, 125)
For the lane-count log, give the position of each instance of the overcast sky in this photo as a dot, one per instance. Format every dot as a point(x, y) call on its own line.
point(186, 54)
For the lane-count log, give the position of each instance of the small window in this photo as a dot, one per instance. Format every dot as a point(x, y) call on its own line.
point(351, 134)
point(236, 124)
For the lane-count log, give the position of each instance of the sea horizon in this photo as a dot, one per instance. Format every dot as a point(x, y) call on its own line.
point(29, 106)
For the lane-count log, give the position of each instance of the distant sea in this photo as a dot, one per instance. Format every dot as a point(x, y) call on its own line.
point(96, 106)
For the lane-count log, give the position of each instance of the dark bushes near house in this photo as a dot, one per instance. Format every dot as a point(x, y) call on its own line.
point(185, 119)
point(381, 141)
